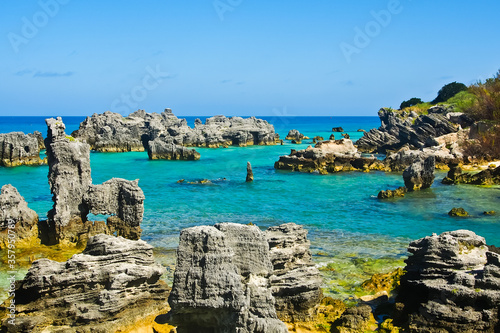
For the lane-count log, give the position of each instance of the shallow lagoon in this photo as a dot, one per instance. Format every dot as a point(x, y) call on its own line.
point(352, 233)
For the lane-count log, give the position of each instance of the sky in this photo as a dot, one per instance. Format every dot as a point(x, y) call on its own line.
point(239, 57)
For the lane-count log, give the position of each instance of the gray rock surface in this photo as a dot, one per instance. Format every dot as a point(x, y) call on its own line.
point(17, 148)
point(14, 213)
point(112, 285)
point(162, 148)
point(75, 197)
point(295, 136)
point(221, 281)
point(420, 174)
point(115, 133)
point(397, 130)
point(295, 282)
point(452, 284)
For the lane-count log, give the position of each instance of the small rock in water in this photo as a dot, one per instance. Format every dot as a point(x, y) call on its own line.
point(491, 212)
point(249, 172)
point(458, 212)
point(337, 129)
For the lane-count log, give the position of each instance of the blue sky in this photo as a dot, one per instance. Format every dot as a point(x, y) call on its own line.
point(239, 57)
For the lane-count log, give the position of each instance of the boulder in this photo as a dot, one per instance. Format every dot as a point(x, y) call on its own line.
point(337, 129)
point(295, 282)
point(458, 212)
point(388, 194)
point(295, 136)
point(451, 284)
point(354, 320)
point(420, 175)
point(221, 281)
point(17, 220)
point(112, 286)
point(17, 148)
point(164, 149)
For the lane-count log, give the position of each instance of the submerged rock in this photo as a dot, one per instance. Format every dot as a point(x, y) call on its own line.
point(452, 284)
point(17, 148)
point(112, 286)
point(17, 220)
point(458, 212)
point(221, 281)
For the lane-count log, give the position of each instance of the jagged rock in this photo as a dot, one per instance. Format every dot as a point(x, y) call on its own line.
point(69, 178)
point(221, 281)
point(451, 284)
point(337, 129)
point(296, 282)
point(396, 131)
point(490, 176)
point(354, 320)
point(490, 212)
point(328, 156)
point(112, 286)
point(332, 137)
point(75, 197)
point(318, 138)
point(420, 175)
point(295, 136)
point(405, 157)
point(112, 132)
point(399, 192)
point(18, 218)
point(458, 212)
point(460, 118)
point(249, 173)
point(162, 148)
point(17, 148)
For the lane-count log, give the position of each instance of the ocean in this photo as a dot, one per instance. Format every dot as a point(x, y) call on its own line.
point(352, 233)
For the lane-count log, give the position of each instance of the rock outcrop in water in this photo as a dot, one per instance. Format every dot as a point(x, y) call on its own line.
point(295, 282)
point(490, 176)
point(75, 197)
point(221, 281)
point(16, 216)
point(249, 173)
point(397, 130)
point(295, 136)
point(17, 148)
point(112, 132)
point(420, 174)
point(165, 149)
point(112, 286)
point(452, 284)
point(328, 156)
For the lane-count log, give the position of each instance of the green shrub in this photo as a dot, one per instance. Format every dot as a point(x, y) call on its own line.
point(411, 102)
point(487, 103)
point(462, 101)
point(448, 91)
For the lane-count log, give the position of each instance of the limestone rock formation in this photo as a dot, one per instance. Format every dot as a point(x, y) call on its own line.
point(249, 173)
point(458, 212)
point(16, 216)
point(420, 175)
point(295, 136)
point(165, 149)
point(296, 282)
point(337, 129)
point(328, 156)
point(221, 281)
point(452, 284)
point(17, 148)
point(490, 176)
point(113, 285)
point(397, 130)
point(75, 197)
point(354, 320)
point(114, 133)
point(387, 194)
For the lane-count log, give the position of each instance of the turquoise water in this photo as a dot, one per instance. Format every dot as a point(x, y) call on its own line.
point(344, 218)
